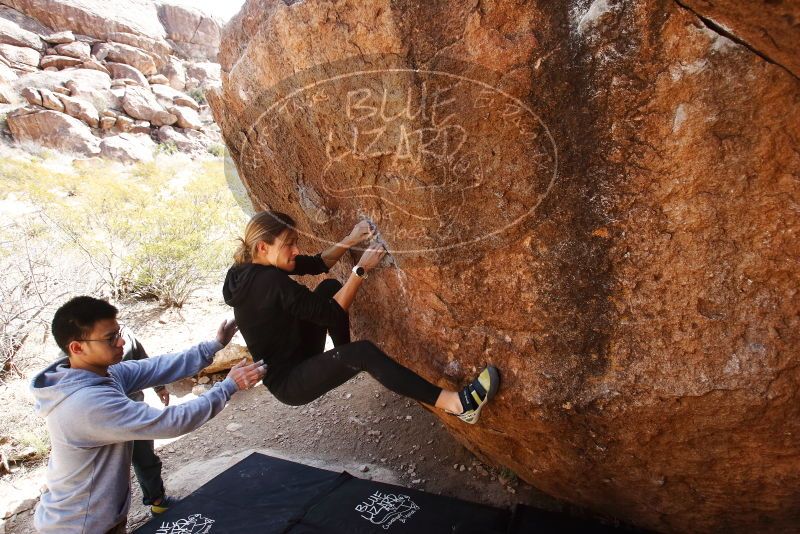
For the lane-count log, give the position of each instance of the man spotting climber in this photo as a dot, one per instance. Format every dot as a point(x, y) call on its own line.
point(92, 422)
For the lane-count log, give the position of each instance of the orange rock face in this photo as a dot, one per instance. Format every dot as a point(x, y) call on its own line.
point(599, 198)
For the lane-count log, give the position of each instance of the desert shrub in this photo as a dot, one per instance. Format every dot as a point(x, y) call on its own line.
point(178, 250)
point(198, 95)
point(217, 149)
point(167, 147)
point(153, 230)
point(34, 282)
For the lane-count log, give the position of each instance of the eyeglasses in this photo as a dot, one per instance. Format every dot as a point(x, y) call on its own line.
point(111, 340)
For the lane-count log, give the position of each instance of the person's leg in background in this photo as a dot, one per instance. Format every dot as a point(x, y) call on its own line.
point(147, 466)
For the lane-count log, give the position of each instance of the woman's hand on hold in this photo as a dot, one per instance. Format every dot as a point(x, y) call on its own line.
point(246, 375)
point(372, 257)
point(361, 232)
point(226, 331)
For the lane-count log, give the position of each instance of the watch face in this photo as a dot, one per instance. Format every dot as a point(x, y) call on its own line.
point(359, 271)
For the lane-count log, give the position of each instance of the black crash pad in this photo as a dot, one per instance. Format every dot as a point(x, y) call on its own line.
point(265, 495)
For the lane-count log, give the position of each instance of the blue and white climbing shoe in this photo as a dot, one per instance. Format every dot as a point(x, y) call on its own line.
point(475, 396)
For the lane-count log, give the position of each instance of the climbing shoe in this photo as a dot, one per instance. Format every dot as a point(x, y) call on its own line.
point(163, 505)
point(478, 393)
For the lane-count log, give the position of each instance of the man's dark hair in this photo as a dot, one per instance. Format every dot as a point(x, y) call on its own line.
point(77, 318)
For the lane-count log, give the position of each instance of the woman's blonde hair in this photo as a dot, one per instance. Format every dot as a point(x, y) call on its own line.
point(263, 226)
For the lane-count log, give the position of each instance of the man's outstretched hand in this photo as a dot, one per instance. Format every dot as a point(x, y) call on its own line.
point(247, 375)
point(163, 394)
point(226, 331)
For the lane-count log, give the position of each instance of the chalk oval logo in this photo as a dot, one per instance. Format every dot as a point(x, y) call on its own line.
point(438, 158)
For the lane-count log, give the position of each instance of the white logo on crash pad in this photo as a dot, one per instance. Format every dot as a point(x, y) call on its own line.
point(386, 508)
point(194, 524)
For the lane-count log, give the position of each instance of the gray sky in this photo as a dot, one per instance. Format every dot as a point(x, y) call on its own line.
point(223, 9)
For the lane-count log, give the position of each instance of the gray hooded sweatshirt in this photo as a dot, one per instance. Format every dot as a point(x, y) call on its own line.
point(92, 423)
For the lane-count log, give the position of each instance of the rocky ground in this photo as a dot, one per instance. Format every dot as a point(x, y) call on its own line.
point(360, 427)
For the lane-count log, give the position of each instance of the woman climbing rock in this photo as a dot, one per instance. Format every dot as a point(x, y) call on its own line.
point(285, 324)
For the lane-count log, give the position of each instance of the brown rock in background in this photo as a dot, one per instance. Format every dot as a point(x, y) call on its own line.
point(50, 100)
point(190, 31)
point(187, 117)
point(76, 49)
point(121, 71)
point(53, 130)
point(157, 47)
point(20, 57)
point(176, 73)
point(140, 103)
point(62, 37)
point(600, 198)
point(127, 148)
point(11, 33)
point(81, 110)
point(90, 17)
point(129, 55)
point(59, 62)
point(32, 96)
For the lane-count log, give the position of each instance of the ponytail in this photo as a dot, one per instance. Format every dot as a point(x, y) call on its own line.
point(263, 226)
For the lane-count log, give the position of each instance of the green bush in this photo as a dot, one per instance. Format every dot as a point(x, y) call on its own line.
point(167, 147)
point(198, 95)
point(217, 150)
point(153, 230)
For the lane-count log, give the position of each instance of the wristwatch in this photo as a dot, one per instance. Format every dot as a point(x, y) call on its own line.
point(360, 272)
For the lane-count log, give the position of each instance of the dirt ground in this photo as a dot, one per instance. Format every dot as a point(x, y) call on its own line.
point(360, 427)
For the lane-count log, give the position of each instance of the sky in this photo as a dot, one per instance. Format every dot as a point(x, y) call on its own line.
point(223, 9)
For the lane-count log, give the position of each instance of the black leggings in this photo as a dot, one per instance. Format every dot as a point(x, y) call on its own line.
point(319, 372)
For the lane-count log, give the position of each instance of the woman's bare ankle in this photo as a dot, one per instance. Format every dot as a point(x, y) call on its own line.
point(449, 402)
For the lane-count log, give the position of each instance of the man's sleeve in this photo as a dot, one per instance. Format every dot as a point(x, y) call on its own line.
point(142, 374)
point(112, 417)
point(298, 301)
point(309, 265)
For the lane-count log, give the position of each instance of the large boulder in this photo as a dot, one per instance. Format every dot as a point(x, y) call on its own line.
point(11, 33)
point(600, 199)
point(53, 130)
point(20, 57)
point(90, 17)
point(175, 73)
point(81, 110)
point(130, 55)
point(50, 100)
point(157, 47)
point(140, 103)
point(25, 22)
point(205, 73)
point(127, 148)
point(7, 74)
point(91, 85)
point(190, 31)
point(187, 117)
point(59, 62)
point(167, 96)
point(57, 38)
point(75, 49)
point(182, 139)
point(32, 96)
point(121, 71)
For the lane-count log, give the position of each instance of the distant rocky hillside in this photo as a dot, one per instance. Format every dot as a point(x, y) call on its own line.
point(109, 79)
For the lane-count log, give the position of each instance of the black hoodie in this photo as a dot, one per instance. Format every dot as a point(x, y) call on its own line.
point(270, 309)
